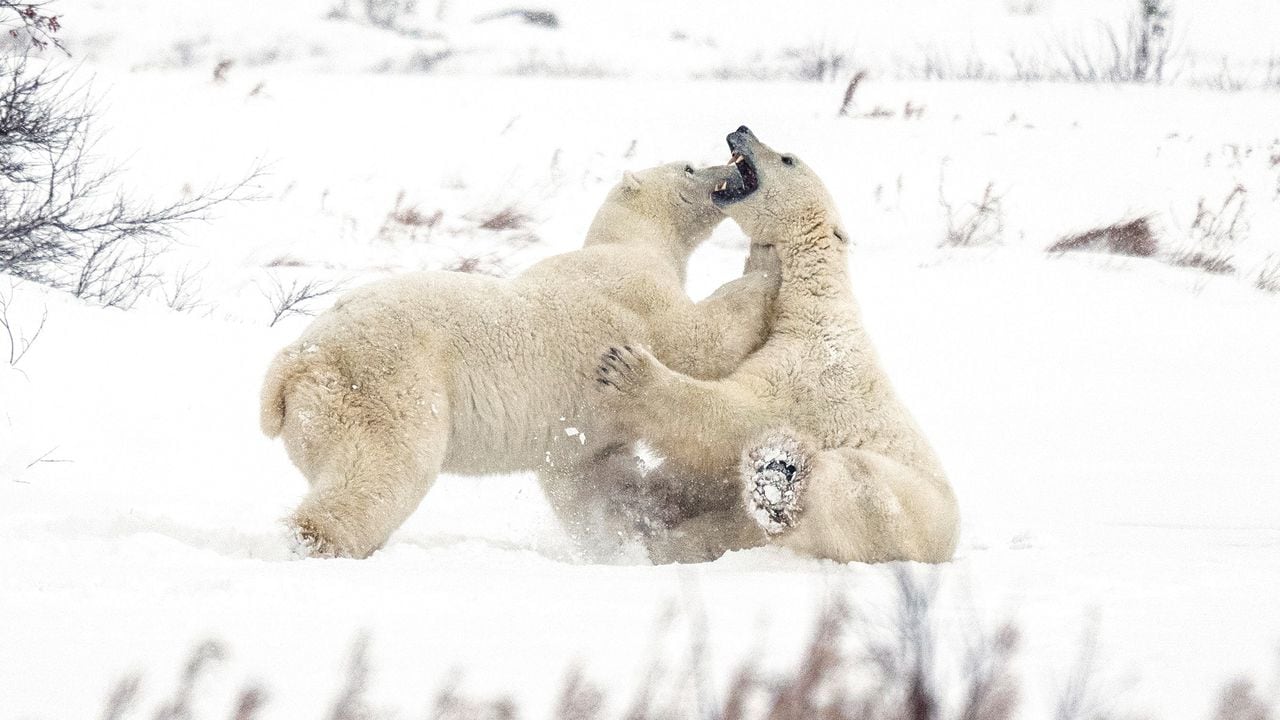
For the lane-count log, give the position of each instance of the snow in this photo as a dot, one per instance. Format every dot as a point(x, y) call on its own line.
point(1109, 423)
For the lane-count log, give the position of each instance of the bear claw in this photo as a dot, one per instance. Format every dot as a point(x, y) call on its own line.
point(622, 369)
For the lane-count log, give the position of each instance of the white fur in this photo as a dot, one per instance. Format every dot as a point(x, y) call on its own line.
point(441, 371)
point(869, 487)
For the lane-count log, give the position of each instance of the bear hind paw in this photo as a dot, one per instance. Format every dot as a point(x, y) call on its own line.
point(775, 471)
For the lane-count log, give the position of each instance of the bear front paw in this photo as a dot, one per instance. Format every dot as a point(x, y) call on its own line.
point(627, 369)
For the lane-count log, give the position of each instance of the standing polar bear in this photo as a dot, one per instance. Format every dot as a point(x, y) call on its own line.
point(829, 462)
point(440, 371)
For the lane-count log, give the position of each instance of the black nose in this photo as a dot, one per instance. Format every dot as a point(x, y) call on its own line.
point(738, 138)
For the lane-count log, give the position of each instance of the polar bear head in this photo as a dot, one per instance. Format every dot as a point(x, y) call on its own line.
point(776, 198)
point(672, 202)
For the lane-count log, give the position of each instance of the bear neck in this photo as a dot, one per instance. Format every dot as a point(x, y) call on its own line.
point(623, 226)
point(815, 272)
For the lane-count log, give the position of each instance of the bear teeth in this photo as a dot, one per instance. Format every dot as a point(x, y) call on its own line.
point(723, 184)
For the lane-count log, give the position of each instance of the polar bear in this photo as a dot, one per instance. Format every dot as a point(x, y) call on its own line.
point(827, 460)
point(443, 371)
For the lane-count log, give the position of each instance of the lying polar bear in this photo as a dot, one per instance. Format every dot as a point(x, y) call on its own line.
point(828, 461)
point(447, 372)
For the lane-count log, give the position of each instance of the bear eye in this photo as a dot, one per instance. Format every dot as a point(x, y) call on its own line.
point(688, 169)
point(788, 160)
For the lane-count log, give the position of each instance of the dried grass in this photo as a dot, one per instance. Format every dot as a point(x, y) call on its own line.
point(1268, 277)
point(1214, 263)
point(847, 104)
point(1129, 237)
point(980, 223)
point(508, 218)
point(1223, 226)
point(1239, 701)
point(1214, 231)
point(405, 219)
point(852, 668)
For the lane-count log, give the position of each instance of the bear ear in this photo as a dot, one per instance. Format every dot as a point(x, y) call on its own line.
point(630, 181)
point(840, 234)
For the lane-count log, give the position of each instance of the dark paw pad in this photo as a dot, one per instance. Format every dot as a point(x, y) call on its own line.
point(774, 490)
point(780, 466)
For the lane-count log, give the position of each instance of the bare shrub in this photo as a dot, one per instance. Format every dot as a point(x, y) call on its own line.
point(815, 63)
point(20, 341)
point(1149, 38)
point(62, 223)
point(976, 223)
point(1138, 52)
point(1128, 237)
point(293, 299)
point(29, 24)
point(181, 290)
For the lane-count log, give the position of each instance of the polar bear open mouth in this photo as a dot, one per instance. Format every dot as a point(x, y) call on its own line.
point(733, 192)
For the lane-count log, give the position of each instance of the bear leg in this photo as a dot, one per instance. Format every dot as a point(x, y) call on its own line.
point(847, 504)
point(370, 461)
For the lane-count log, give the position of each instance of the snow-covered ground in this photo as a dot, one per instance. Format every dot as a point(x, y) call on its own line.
point(1109, 423)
